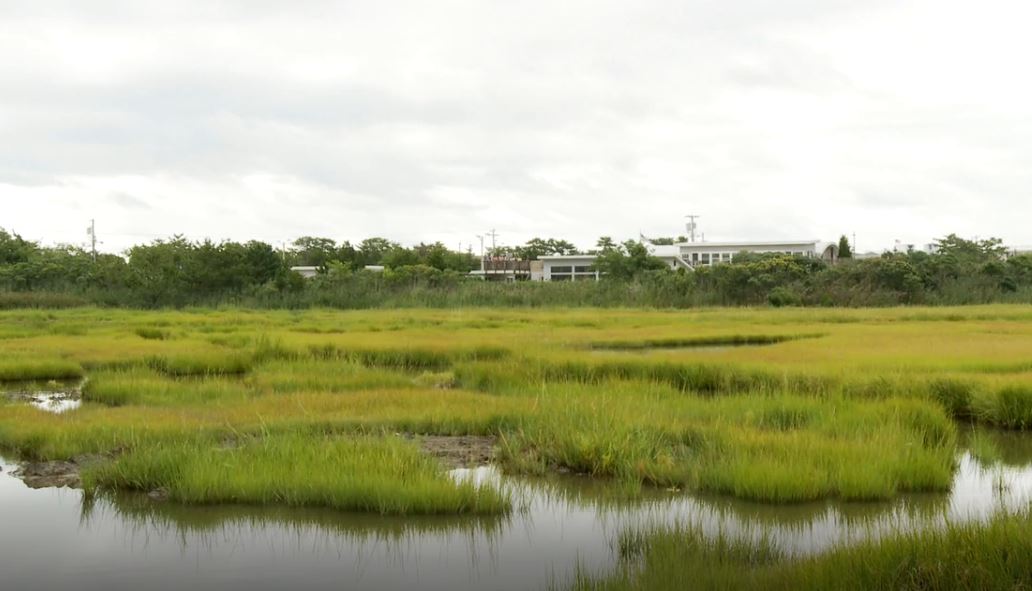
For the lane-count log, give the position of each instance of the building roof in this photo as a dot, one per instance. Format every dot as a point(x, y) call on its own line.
point(664, 250)
point(566, 257)
point(751, 243)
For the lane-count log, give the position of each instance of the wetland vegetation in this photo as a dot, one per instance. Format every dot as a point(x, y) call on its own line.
point(325, 410)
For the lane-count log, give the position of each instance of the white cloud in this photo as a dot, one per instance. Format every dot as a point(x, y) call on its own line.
point(426, 121)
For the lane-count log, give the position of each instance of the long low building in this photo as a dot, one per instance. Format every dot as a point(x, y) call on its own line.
point(686, 255)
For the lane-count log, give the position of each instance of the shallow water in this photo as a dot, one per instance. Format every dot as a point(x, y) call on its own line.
point(55, 402)
point(54, 396)
point(52, 539)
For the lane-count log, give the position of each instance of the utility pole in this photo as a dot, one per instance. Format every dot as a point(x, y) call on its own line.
point(481, 237)
point(692, 226)
point(493, 235)
point(92, 231)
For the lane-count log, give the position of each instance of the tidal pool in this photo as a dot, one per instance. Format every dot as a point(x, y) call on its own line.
point(54, 538)
point(53, 396)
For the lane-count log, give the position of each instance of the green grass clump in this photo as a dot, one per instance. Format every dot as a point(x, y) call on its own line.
point(24, 370)
point(954, 395)
point(317, 375)
point(367, 474)
point(141, 386)
point(408, 358)
point(781, 449)
point(974, 556)
point(152, 333)
point(730, 340)
point(202, 364)
point(1014, 407)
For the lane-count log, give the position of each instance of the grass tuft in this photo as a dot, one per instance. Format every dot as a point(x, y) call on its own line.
point(369, 474)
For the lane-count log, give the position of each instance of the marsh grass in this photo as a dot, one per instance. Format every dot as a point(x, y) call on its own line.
point(779, 449)
point(971, 556)
point(379, 475)
point(152, 333)
point(862, 413)
point(213, 363)
point(408, 358)
point(27, 370)
point(321, 375)
point(731, 340)
point(139, 386)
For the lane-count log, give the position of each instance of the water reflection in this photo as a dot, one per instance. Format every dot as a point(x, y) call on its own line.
point(56, 540)
point(51, 396)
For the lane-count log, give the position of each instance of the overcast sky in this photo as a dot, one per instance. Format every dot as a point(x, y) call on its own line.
point(425, 121)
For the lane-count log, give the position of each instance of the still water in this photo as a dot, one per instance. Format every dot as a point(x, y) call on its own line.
point(52, 539)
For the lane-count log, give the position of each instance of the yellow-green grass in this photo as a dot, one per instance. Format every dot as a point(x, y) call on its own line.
point(25, 369)
point(783, 448)
point(853, 404)
point(322, 375)
point(971, 556)
point(144, 386)
point(381, 475)
point(152, 332)
point(95, 428)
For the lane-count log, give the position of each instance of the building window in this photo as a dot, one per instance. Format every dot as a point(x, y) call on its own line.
point(583, 270)
point(562, 277)
point(566, 269)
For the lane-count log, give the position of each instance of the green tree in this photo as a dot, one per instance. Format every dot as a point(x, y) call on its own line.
point(373, 250)
point(968, 252)
point(845, 250)
point(627, 261)
point(14, 248)
point(311, 251)
point(536, 248)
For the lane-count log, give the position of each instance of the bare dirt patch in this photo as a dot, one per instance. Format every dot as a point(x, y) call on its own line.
point(57, 473)
point(465, 451)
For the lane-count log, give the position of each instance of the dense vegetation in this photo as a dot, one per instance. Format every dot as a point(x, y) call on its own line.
point(328, 408)
point(178, 272)
point(848, 404)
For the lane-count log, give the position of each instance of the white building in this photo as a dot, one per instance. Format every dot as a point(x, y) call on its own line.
point(703, 254)
point(306, 272)
point(574, 267)
point(687, 255)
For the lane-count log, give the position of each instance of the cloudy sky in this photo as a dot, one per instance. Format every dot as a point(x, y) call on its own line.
point(441, 120)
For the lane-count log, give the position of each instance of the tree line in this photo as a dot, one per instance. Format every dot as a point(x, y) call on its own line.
point(180, 272)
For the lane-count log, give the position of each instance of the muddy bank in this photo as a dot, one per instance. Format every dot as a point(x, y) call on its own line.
point(464, 451)
point(57, 473)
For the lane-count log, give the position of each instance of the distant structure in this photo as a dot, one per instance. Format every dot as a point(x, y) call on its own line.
point(308, 271)
point(689, 256)
point(305, 271)
point(505, 268)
